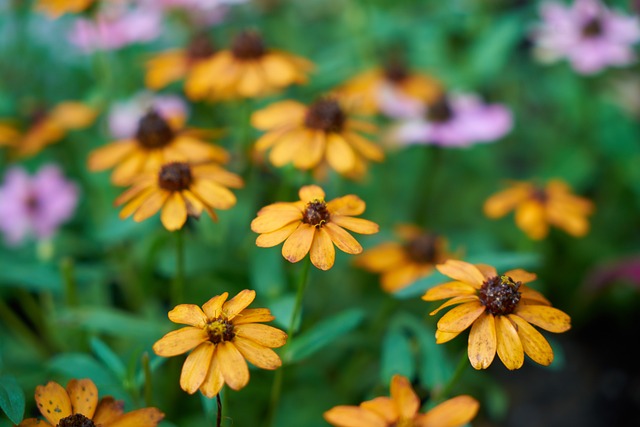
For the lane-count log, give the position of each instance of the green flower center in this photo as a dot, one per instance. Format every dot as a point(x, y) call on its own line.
point(316, 213)
point(248, 45)
point(76, 420)
point(220, 330)
point(423, 249)
point(440, 111)
point(175, 176)
point(500, 295)
point(154, 131)
point(325, 115)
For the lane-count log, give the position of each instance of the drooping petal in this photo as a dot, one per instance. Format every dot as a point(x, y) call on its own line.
point(196, 367)
point(323, 254)
point(232, 364)
point(482, 342)
point(531, 296)
point(188, 314)
point(84, 397)
point(267, 240)
point(357, 225)
point(353, 416)
point(346, 205)
point(520, 275)
point(406, 400)
point(253, 315)
point(548, 318)
point(145, 417)
point(260, 356)
point(298, 244)
point(342, 239)
point(448, 290)
point(443, 337)
point(53, 402)
point(509, 347)
point(385, 407)
point(309, 193)
point(214, 380)
point(454, 412)
point(151, 205)
point(462, 271)
point(235, 305)
point(265, 335)
point(179, 341)
point(174, 212)
point(533, 343)
point(340, 155)
point(108, 409)
point(461, 317)
point(213, 308)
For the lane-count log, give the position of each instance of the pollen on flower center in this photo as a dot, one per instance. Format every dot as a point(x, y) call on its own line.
point(200, 47)
point(154, 131)
point(175, 176)
point(248, 45)
point(220, 330)
point(592, 28)
point(423, 248)
point(440, 111)
point(326, 115)
point(316, 213)
point(76, 420)
point(500, 295)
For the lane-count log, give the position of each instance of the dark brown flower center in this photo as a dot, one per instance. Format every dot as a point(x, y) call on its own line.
point(593, 28)
point(440, 111)
point(326, 115)
point(200, 47)
point(32, 202)
point(500, 295)
point(248, 45)
point(540, 195)
point(316, 213)
point(154, 131)
point(423, 249)
point(76, 420)
point(396, 72)
point(220, 330)
point(175, 176)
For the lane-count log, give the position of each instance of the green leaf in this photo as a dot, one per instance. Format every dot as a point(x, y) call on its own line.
point(397, 356)
point(108, 357)
point(80, 365)
point(111, 321)
point(322, 334)
point(32, 276)
point(11, 398)
point(267, 273)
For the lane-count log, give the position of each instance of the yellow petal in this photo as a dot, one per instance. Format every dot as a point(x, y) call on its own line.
point(402, 276)
point(487, 270)
point(531, 296)
point(235, 305)
point(482, 342)
point(274, 238)
point(278, 69)
point(213, 194)
point(214, 380)
point(406, 400)
point(548, 318)
point(145, 417)
point(110, 155)
point(462, 271)
point(299, 243)
point(448, 290)
point(530, 218)
point(196, 367)
point(309, 193)
point(385, 407)
point(340, 155)
point(264, 335)
point(188, 314)
point(461, 317)
point(53, 402)
point(519, 275)
point(365, 147)
point(253, 315)
point(323, 254)
point(454, 412)
point(83, 395)
point(73, 115)
point(174, 212)
point(179, 341)
point(347, 205)
point(108, 410)
point(454, 301)
point(272, 221)
point(278, 114)
point(387, 256)
point(342, 239)
point(509, 347)
point(357, 225)
point(533, 343)
point(151, 205)
point(353, 416)
point(213, 308)
point(260, 356)
point(311, 149)
point(129, 168)
point(500, 203)
point(443, 337)
point(232, 364)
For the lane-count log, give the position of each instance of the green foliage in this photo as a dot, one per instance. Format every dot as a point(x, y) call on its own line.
point(11, 398)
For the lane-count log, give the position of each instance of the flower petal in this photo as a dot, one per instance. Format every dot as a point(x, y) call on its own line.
point(253, 315)
point(323, 254)
point(214, 380)
point(151, 205)
point(232, 364)
point(309, 193)
point(83, 395)
point(462, 271)
point(461, 317)
point(196, 367)
point(387, 256)
point(548, 318)
point(53, 402)
point(188, 314)
point(533, 343)
point(520, 275)
point(174, 212)
point(213, 308)
point(346, 205)
point(340, 155)
point(110, 155)
point(260, 356)
point(278, 114)
point(145, 417)
point(213, 194)
point(275, 220)
point(298, 244)
point(483, 342)
point(357, 225)
point(235, 305)
point(455, 300)
point(454, 412)
point(531, 296)
point(265, 335)
point(385, 407)
point(500, 203)
point(406, 400)
point(487, 270)
point(342, 239)
point(179, 341)
point(448, 290)
point(530, 218)
point(509, 348)
point(353, 416)
point(443, 337)
point(108, 409)
point(274, 238)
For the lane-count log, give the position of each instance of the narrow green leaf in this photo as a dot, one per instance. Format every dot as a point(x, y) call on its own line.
point(108, 357)
point(397, 356)
point(111, 321)
point(11, 398)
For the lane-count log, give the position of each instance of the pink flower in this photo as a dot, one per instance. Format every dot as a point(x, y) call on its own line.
point(200, 12)
point(590, 36)
point(124, 116)
point(456, 121)
point(35, 206)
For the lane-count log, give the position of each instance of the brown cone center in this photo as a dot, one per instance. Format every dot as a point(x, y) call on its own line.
point(316, 213)
point(396, 72)
point(76, 420)
point(200, 47)
point(593, 28)
point(500, 295)
point(440, 111)
point(325, 115)
point(175, 176)
point(154, 131)
point(248, 45)
point(423, 249)
point(220, 330)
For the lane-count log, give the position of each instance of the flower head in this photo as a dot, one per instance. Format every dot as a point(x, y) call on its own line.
point(588, 34)
point(539, 207)
point(248, 69)
point(310, 136)
point(158, 139)
point(500, 309)
point(178, 190)
point(78, 406)
point(456, 121)
point(222, 335)
point(401, 264)
point(35, 205)
point(401, 410)
point(313, 225)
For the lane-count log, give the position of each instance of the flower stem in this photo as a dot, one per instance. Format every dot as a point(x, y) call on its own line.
point(425, 185)
point(219, 415)
point(70, 285)
point(147, 380)
point(177, 289)
point(462, 364)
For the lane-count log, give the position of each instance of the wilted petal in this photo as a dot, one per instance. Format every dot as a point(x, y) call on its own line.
point(549, 318)
point(461, 317)
point(533, 343)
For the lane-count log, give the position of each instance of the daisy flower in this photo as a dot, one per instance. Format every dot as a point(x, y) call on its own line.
point(179, 190)
point(500, 310)
point(222, 335)
point(310, 136)
point(157, 140)
point(78, 405)
point(402, 409)
point(537, 208)
point(313, 225)
point(249, 69)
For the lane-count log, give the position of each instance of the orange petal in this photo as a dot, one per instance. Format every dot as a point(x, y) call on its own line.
point(487, 270)
point(531, 296)
point(384, 407)
point(548, 318)
point(483, 342)
point(365, 147)
point(500, 203)
point(462, 271)
point(84, 397)
point(448, 290)
point(235, 305)
point(278, 114)
point(129, 168)
point(196, 367)
point(342, 239)
point(213, 307)
point(346, 205)
point(287, 147)
point(340, 155)
point(311, 149)
point(108, 410)
point(146, 417)
point(73, 115)
point(34, 422)
point(533, 343)
point(357, 225)
point(406, 400)
point(509, 347)
point(151, 205)
point(353, 416)
point(455, 300)
point(174, 212)
point(253, 315)
point(188, 314)
point(530, 218)
point(299, 243)
point(519, 275)
point(260, 356)
point(213, 194)
point(232, 364)
point(454, 412)
point(214, 381)
point(461, 317)
point(179, 341)
point(110, 155)
point(53, 402)
point(402, 276)
point(387, 256)
point(309, 193)
point(274, 220)
point(274, 238)
point(443, 337)
point(323, 254)
point(264, 335)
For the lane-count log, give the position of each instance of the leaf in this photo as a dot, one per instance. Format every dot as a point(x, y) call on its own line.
point(322, 334)
point(282, 310)
point(32, 276)
point(397, 355)
point(108, 357)
point(80, 365)
point(111, 321)
point(11, 398)
point(267, 273)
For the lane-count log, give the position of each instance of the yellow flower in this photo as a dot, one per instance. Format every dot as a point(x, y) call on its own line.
point(222, 335)
point(173, 65)
point(78, 405)
point(158, 140)
point(500, 310)
point(247, 70)
point(401, 410)
point(179, 189)
point(47, 128)
point(313, 225)
point(56, 8)
point(309, 136)
point(401, 264)
point(537, 208)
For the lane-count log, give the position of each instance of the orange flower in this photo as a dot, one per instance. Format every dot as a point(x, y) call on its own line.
point(401, 409)
point(537, 208)
point(309, 136)
point(178, 190)
point(500, 310)
point(313, 225)
point(247, 70)
point(401, 264)
point(157, 141)
point(78, 405)
point(173, 65)
point(47, 128)
point(222, 335)
point(56, 8)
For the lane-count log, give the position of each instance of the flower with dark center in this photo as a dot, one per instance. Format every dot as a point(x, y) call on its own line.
point(593, 28)
point(220, 330)
point(326, 115)
point(440, 111)
point(200, 47)
point(539, 194)
point(175, 176)
point(423, 248)
point(76, 420)
point(396, 72)
point(500, 295)
point(316, 213)
point(248, 45)
point(154, 131)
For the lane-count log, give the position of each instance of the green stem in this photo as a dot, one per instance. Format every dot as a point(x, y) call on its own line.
point(425, 185)
point(462, 364)
point(70, 284)
point(177, 290)
point(14, 323)
point(276, 390)
point(219, 415)
point(147, 380)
